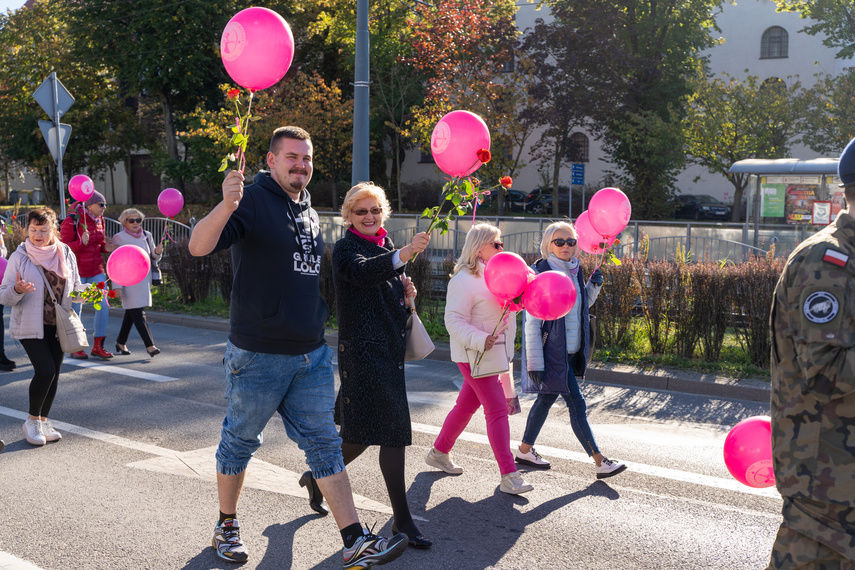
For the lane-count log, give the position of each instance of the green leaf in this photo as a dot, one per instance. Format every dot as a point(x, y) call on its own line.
point(456, 199)
point(97, 306)
point(426, 213)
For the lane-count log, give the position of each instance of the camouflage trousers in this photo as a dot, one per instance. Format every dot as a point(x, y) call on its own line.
point(814, 536)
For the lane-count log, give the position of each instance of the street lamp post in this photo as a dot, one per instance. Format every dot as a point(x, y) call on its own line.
point(359, 172)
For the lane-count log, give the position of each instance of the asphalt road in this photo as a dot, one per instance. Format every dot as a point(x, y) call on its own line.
point(131, 485)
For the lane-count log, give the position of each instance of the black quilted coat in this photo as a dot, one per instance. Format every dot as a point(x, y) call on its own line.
point(372, 404)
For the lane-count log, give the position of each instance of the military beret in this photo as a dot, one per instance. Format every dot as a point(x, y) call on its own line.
point(846, 166)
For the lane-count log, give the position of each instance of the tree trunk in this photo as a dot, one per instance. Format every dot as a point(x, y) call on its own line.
point(556, 169)
point(739, 184)
point(171, 141)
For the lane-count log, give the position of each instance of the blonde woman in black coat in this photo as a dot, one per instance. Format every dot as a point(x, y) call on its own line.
point(371, 294)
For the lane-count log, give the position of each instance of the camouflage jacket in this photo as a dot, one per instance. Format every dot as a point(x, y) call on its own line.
point(813, 368)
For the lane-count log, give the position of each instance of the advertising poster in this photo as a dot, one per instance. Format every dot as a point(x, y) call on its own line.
point(835, 193)
point(800, 199)
point(773, 199)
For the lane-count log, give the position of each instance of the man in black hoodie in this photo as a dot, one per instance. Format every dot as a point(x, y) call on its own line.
point(276, 357)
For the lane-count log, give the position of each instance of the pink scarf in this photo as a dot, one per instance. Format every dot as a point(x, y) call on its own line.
point(378, 239)
point(50, 257)
point(138, 235)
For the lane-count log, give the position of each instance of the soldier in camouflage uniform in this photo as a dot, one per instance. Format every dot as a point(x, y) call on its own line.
point(813, 394)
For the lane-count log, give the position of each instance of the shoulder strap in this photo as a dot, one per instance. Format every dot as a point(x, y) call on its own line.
point(47, 283)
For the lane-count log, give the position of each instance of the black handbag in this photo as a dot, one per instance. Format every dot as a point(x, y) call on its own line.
point(155, 268)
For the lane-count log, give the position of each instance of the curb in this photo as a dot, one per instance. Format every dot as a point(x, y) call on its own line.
point(662, 379)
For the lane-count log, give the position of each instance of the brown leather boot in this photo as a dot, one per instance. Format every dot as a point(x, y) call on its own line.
point(99, 350)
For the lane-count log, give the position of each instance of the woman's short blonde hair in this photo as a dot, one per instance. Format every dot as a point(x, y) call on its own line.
point(480, 235)
point(365, 190)
point(130, 212)
point(550, 231)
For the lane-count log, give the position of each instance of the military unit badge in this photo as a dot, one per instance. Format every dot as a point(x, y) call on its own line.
point(821, 307)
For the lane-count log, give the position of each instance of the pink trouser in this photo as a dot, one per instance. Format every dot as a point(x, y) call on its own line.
point(475, 393)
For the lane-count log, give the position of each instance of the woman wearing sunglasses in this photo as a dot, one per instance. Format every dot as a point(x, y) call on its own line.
point(136, 297)
point(83, 231)
point(555, 353)
point(371, 299)
point(471, 315)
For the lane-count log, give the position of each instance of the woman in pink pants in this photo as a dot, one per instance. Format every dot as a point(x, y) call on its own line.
point(471, 315)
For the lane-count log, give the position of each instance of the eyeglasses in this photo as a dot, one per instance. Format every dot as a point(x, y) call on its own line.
point(498, 244)
point(562, 242)
point(134, 220)
point(363, 212)
point(102, 204)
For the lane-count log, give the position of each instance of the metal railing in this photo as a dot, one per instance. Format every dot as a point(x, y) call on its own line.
point(156, 226)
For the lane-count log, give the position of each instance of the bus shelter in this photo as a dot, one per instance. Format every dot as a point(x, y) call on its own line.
point(792, 191)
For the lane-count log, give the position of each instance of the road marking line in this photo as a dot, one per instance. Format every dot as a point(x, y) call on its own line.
point(120, 370)
point(663, 472)
point(9, 562)
point(201, 464)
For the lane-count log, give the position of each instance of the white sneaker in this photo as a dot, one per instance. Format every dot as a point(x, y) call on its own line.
point(33, 432)
point(514, 484)
point(532, 459)
point(442, 461)
point(608, 468)
point(50, 433)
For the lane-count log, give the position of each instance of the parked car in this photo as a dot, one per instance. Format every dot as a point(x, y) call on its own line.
point(701, 207)
point(514, 200)
point(539, 201)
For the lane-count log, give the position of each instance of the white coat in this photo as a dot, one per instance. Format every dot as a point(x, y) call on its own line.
point(27, 319)
point(471, 314)
point(139, 295)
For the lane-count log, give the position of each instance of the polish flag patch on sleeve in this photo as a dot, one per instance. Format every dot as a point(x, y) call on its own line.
point(835, 257)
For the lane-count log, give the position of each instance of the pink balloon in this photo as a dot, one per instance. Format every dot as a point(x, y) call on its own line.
point(506, 275)
point(748, 452)
point(81, 187)
point(257, 48)
point(170, 202)
point(128, 265)
point(610, 211)
point(589, 239)
point(550, 295)
point(456, 139)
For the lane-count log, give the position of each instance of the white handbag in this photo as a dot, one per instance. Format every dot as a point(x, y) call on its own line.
point(494, 362)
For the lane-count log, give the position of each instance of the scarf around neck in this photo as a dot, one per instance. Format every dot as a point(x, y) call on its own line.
point(569, 267)
point(138, 235)
point(50, 257)
point(378, 239)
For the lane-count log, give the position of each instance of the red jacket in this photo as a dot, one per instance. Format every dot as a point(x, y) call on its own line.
point(89, 260)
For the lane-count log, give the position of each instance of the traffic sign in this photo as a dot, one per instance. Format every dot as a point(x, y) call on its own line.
point(577, 172)
point(49, 133)
point(53, 104)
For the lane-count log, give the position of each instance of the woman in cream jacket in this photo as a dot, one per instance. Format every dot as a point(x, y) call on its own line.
point(471, 315)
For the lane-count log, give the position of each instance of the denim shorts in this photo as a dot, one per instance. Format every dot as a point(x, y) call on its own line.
point(300, 387)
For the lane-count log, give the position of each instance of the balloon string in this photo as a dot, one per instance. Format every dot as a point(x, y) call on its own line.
point(503, 319)
point(241, 155)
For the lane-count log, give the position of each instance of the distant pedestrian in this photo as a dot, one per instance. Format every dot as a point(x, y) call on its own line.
point(813, 393)
point(471, 314)
point(83, 231)
point(276, 358)
point(41, 261)
point(136, 297)
point(555, 353)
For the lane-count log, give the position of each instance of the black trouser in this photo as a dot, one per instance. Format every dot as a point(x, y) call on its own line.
point(46, 357)
point(137, 317)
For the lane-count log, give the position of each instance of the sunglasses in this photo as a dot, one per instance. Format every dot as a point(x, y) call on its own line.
point(364, 212)
point(134, 220)
point(562, 242)
point(498, 244)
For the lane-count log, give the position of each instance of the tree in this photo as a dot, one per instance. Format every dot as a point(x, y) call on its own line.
point(830, 105)
point(461, 46)
point(729, 120)
point(157, 48)
point(835, 19)
point(34, 41)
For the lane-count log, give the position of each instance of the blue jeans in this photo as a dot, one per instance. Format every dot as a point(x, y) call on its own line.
point(578, 415)
point(300, 387)
point(102, 314)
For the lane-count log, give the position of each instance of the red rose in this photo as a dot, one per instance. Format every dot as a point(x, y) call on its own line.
point(506, 181)
point(233, 94)
point(111, 294)
point(483, 155)
point(14, 216)
point(101, 285)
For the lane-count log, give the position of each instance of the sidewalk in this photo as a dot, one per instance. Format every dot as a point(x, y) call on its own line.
point(617, 374)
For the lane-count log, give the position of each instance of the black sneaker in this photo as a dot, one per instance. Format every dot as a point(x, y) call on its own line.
point(227, 542)
point(6, 365)
point(369, 550)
